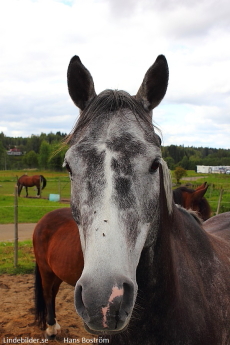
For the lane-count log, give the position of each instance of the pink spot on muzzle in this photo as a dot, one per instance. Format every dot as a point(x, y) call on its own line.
point(116, 292)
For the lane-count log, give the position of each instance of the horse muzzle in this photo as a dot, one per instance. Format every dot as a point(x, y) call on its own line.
point(106, 308)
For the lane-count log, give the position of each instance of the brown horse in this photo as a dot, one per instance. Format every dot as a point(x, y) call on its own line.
point(59, 258)
point(29, 181)
point(193, 199)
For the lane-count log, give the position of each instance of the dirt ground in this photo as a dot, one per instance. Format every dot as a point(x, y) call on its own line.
point(17, 314)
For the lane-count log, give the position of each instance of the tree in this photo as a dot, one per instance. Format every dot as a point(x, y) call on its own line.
point(44, 153)
point(170, 162)
point(56, 161)
point(184, 163)
point(31, 159)
point(2, 156)
point(179, 172)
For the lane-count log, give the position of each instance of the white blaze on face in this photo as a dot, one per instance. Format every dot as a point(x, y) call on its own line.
point(116, 292)
point(109, 185)
point(106, 234)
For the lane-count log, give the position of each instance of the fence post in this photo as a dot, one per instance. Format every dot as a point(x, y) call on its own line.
point(219, 201)
point(15, 226)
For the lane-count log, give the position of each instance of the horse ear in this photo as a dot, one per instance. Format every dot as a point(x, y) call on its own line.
point(80, 83)
point(199, 193)
point(154, 85)
point(202, 186)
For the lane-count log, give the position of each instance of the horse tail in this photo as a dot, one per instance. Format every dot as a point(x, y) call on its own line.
point(43, 181)
point(40, 304)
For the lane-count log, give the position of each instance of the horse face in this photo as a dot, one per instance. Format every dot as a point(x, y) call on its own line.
point(113, 163)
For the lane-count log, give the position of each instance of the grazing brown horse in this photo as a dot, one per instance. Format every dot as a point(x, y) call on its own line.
point(29, 181)
point(59, 258)
point(193, 199)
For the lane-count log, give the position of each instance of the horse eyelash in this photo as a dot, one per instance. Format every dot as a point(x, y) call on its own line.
point(69, 170)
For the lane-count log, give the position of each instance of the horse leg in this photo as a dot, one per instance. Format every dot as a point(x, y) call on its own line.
point(19, 189)
point(52, 323)
point(38, 188)
point(46, 288)
point(26, 191)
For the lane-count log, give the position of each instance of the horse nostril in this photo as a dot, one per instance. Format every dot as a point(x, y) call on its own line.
point(78, 299)
point(128, 296)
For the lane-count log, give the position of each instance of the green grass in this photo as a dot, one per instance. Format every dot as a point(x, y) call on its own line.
point(26, 260)
point(29, 210)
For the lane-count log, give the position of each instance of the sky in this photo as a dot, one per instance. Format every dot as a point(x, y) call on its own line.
point(117, 41)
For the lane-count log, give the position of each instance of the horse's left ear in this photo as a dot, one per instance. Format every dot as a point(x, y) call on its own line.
point(154, 85)
point(198, 194)
point(80, 83)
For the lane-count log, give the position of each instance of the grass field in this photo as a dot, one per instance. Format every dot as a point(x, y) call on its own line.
point(26, 261)
point(57, 183)
point(31, 210)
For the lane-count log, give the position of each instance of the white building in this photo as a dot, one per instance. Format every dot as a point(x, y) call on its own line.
point(207, 169)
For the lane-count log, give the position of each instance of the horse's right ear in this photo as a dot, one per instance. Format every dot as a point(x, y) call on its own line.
point(154, 85)
point(80, 83)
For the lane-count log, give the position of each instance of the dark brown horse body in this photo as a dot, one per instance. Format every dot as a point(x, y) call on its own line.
point(30, 181)
point(219, 226)
point(59, 258)
point(193, 199)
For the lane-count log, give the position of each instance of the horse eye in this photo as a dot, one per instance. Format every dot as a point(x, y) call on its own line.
point(154, 166)
point(68, 168)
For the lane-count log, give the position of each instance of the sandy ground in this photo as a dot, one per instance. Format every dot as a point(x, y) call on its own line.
point(17, 314)
point(17, 324)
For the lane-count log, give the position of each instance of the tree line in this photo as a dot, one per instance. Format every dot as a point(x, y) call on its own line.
point(45, 151)
point(189, 157)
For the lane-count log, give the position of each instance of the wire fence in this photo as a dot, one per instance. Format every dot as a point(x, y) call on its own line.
point(62, 188)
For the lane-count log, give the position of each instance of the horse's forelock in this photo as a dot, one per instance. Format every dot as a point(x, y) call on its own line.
point(106, 104)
